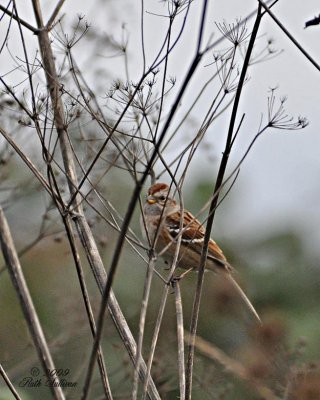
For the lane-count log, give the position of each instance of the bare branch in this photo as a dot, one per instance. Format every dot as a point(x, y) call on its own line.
point(54, 14)
point(21, 21)
point(30, 314)
point(143, 313)
point(134, 198)
point(290, 36)
point(180, 335)
point(214, 202)
point(9, 383)
point(26, 160)
point(83, 228)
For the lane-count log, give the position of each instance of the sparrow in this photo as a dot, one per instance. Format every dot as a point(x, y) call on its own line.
point(164, 222)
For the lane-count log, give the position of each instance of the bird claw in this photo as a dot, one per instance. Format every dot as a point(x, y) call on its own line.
point(172, 282)
point(175, 279)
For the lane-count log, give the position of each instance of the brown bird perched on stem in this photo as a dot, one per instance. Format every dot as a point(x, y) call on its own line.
point(163, 224)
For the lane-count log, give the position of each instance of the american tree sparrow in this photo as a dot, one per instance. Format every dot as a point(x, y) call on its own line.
point(163, 225)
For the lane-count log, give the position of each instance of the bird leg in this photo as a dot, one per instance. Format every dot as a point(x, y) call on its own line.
point(179, 277)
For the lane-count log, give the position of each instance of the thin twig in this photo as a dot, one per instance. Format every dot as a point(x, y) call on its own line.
point(285, 30)
point(26, 160)
point(142, 321)
point(9, 383)
point(80, 221)
point(131, 207)
point(155, 339)
point(180, 335)
point(214, 202)
point(21, 21)
point(29, 311)
point(54, 14)
point(142, 38)
point(86, 299)
point(237, 26)
point(153, 67)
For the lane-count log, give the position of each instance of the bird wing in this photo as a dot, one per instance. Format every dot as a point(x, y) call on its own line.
point(192, 232)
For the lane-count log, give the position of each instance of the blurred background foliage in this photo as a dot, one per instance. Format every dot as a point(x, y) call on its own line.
point(276, 270)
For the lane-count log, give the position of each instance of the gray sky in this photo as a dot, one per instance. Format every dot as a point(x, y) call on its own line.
point(279, 182)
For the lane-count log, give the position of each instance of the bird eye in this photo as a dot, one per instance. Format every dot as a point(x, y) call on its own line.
point(162, 198)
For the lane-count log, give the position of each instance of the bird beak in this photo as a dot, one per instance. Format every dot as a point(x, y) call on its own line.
point(151, 200)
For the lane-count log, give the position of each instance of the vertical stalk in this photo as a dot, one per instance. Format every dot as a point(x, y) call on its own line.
point(79, 219)
point(180, 336)
point(29, 311)
point(213, 205)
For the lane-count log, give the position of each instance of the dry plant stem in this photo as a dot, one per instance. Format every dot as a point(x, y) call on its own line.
point(54, 14)
point(142, 321)
point(164, 79)
point(185, 116)
point(114, 309)
point(220, 177)
point(163, 299)
point(179, 156)
point(53, 86)
point(26, 160)
point(102, 123)
point(293, 40)
point(142, 37)
point(122, 237)
point(80, 221)
point(233, 366)
point(153, 67)
point(158, 60)
point(21, 21)
point(86, 299)
point(241, 23)
point(99, 153)
point(30, 314)
point(131, 207)
point(9, 384)
point(180, 335)
point(155, 338)
point(133, 240)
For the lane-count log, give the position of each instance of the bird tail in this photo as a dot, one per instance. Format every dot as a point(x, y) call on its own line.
point(244, 297)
